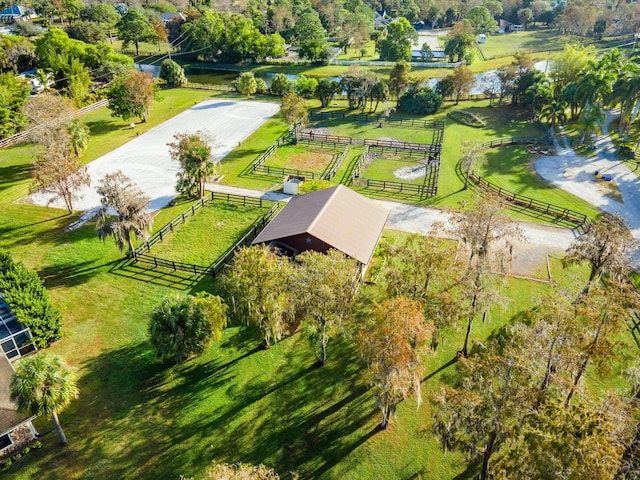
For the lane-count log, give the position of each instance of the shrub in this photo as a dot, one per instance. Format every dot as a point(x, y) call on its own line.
point(25, 294)
point(423, 101)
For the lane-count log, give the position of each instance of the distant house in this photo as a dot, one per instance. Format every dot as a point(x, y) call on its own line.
point(13, 13)
point(335, 217)
point(436, 55)
point(16, 429)
point(168, 16)
point(380, 19)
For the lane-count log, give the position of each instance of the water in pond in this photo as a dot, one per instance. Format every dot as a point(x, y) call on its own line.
point(226, 77)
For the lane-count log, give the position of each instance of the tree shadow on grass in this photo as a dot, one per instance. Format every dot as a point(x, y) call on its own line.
point(155, 275)
point(12, 174)
point(70, 274)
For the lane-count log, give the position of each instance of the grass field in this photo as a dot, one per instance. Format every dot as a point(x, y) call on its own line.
point(389, 166)
point(136, 418)
point(531, 41)
point(224, 222)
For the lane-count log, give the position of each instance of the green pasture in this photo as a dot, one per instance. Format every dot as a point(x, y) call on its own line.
point(531, 41)
point(193, 242)
point(513, 168)
point(386, 166)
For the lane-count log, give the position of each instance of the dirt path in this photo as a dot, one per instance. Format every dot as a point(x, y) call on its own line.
point(575, 174)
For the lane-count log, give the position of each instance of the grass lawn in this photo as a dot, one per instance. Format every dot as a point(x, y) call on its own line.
point(389, 166)
point(506, 44)
point(192, 242)
point(512, 168)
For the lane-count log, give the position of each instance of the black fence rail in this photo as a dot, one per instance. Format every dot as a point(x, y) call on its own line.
point(362, 161)
point(286, 138)
point(209, 86)
point(333, 169)
point(503, 142)
point(401, 187)
point(431, 148)
point(216, 267)
point(403, 152)
point(145, 247)
point(281, 171)
point(572, 217)
point(361, 117)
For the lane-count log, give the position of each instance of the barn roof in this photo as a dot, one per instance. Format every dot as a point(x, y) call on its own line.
point(338, 216)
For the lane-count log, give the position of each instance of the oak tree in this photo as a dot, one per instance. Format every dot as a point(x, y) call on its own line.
point(324, 292)
point(132, 95)
point(391, 343)
point(258, 290)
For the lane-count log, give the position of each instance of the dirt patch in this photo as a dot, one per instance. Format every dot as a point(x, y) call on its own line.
point(311, 160)
point(318, 131)
point(609, 189)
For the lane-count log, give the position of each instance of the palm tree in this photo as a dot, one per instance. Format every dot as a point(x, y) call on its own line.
point(193, 151)
point(46, 79)
point(119, 195)
point(183, 325)
point(590, 121)
point(554, 111)
point(43, 385)
point(79, 135)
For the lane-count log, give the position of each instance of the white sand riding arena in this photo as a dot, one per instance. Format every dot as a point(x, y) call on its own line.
point(146, 160)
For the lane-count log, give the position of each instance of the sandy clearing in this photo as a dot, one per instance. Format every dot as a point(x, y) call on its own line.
point(145, 159)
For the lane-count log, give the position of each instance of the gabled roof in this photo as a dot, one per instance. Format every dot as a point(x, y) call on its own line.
point(15, 10)
point(9, 416)
point(338, 216)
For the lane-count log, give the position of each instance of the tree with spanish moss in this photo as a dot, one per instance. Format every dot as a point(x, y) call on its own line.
point(193, 152)
point(605, 247)
point(391, 343)
point(259, 290)
point(124, 211)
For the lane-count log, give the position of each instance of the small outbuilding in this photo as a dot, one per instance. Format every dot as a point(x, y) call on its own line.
point(335, 217)
point(482, 38)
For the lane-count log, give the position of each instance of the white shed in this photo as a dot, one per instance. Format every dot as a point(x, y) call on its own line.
point(482, 38)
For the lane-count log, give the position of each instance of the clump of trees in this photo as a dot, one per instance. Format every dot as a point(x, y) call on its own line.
point(421, 100)
point(24, 292)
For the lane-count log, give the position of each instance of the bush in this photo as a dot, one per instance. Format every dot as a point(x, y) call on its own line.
point(25, 294)
point(423, 101)
point(172, 73)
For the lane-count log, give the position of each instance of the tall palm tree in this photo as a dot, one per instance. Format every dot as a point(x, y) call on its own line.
point(46, 79)
point(119, 195)
point(43, 385)
point(79, 135)
point(554, 111)
point(193, 151)
point(590, 121)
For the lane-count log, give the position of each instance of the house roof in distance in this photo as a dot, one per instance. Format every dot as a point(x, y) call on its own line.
point(9, 415)
point(338, 216)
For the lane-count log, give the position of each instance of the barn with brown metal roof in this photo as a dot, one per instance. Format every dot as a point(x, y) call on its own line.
point(335, 217)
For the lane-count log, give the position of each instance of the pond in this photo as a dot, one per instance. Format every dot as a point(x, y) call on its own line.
point(224, 77)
